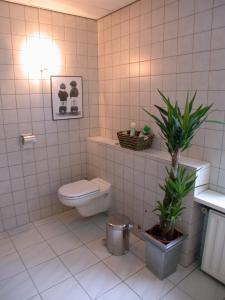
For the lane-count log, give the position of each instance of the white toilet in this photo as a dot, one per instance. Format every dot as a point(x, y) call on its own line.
point(88, 197)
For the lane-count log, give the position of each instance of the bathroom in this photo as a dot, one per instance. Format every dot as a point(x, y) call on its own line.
point(118, 53)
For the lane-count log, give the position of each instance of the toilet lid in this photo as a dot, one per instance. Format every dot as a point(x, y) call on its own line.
point(78, 188)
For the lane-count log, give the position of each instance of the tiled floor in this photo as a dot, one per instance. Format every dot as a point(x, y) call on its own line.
point(63, 258)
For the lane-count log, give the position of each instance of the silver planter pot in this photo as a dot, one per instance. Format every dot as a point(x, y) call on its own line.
point(162, 259)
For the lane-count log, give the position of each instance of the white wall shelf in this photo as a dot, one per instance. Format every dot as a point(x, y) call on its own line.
point(212, 199)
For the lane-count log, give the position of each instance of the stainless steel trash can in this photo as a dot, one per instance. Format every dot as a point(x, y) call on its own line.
point(117, 234)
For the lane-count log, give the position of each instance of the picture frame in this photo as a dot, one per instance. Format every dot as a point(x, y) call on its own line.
point(66, 97)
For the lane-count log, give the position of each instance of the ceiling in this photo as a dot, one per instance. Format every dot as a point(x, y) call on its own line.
point(93, 9)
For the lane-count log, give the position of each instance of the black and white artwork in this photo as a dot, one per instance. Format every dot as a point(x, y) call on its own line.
point(67, 97)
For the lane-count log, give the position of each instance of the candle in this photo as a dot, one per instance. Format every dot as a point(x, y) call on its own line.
point(132, 128)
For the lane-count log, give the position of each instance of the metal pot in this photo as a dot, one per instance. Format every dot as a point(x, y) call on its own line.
point(162, 259)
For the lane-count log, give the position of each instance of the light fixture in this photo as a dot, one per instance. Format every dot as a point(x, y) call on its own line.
point(40, 57)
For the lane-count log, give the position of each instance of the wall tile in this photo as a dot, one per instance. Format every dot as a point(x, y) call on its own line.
point(171, 11)
point(219, 17)
point(178, 48)
point(203, 21)
point(134, 59)
point(29, 177)
point(201, 5)
point(4, 9)
point(4, 25)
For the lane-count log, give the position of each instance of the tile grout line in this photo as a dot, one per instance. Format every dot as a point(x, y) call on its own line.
point(26, 270)
point(74, 276)
point(58, 256)
point(100, 260)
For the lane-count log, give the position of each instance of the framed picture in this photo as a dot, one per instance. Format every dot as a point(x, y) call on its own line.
point(67, 97)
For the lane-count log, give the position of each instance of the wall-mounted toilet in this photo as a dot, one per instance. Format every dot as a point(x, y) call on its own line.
point(88, 197)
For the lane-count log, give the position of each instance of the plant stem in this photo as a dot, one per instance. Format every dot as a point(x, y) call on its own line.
point(175, 162)
point(167, 231)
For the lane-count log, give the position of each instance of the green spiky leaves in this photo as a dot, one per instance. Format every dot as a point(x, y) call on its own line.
point(178, 128)
point(175, 189)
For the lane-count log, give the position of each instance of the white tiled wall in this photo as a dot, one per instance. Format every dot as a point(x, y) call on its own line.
point(167, 44)
point(29, 178)
point(172, 45)
point(135, 179)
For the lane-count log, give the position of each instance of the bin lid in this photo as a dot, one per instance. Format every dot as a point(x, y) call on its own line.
point(118, 221)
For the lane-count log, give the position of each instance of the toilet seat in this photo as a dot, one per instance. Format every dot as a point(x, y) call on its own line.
point(79, 189)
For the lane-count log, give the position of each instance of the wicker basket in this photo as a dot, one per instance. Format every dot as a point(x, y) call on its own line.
point(134, 142)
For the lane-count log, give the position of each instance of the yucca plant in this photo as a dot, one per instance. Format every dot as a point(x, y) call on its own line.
point(177, 130)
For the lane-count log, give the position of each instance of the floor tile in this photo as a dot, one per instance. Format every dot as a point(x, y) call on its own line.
point(47, 220)
point(100, 221)
point(20, 229)
point(181, 273)
point(37, 297)
point(138, 249)
point(27, 238)
point(6, 247)
point(78, 223)
point(69, 216)
point(88, 232)
point(133, 238)
point(36, 254)
point(176, 294)
point(4, 235)
point(10, 265)
point(148, 286)
point(200, 286)
point(52, 229)
point(18, 287)
point(98, 247)
point(79, 259)
point(121, 291)
point(48, 274)
point(64, 243)
point(103, 281)
point(124, 265)
point(66, 290)
point(97, 279)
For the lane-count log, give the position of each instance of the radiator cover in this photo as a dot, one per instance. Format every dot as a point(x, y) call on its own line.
point(213, 260)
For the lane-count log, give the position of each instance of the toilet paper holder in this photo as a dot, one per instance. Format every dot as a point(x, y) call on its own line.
point(28, 139)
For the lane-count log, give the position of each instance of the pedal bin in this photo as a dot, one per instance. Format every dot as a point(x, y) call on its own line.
point(117, 234)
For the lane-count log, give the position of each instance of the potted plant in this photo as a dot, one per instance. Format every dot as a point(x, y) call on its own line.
point(164, 241)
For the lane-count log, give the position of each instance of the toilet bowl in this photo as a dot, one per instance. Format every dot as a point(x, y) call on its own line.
point(88, 197)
